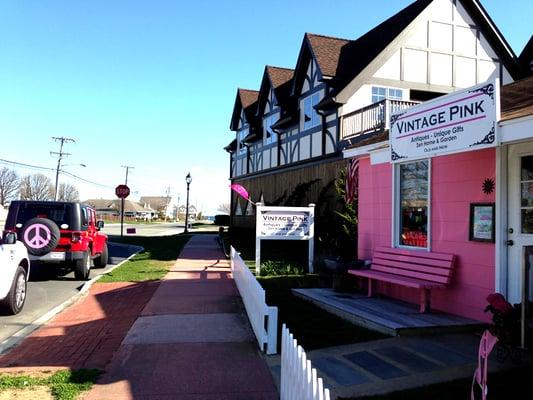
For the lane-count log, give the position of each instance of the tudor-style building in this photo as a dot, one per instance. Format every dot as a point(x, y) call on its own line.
point(342, 93)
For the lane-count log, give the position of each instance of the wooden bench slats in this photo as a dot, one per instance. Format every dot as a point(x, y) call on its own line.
point(440, 272)
point(413, 259)
point(409, 274)
point(411, 268)
point(409, 282)
point(419, 253)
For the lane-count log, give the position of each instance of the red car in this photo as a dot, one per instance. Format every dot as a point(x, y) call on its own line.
point(65, 233)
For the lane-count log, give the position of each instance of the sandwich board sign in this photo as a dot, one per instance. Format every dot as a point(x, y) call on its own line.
point(284, 223)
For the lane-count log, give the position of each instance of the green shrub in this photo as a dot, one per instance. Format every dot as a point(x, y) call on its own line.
point(274, 268)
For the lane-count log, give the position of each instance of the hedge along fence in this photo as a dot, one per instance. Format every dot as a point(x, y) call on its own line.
point(299, 380)
point(263, 318)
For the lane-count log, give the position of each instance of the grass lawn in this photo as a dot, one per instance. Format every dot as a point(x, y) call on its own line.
point(153, 263)
point(313, 327)
point(513, 384)
point(61, 385)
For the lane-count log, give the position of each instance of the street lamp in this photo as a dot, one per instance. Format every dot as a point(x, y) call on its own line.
point(188, 179)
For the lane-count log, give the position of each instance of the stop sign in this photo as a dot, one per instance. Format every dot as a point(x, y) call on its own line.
point(122, 191)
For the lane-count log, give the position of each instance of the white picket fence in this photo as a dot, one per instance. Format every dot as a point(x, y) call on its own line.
point(263, 318)
point(299, 380)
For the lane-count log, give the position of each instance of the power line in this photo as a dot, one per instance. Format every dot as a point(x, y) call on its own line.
point(87, 181)
point(8, 162)
point(19, 164)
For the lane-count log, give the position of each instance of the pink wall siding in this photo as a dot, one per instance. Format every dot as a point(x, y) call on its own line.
point(455, 183)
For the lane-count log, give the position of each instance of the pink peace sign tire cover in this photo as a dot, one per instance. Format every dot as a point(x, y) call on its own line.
point(40, 236)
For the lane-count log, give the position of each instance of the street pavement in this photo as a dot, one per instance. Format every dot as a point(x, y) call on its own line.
point(49, 288)
point(153, 229)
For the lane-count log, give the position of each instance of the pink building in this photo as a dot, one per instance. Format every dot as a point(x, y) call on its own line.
point(425, 205)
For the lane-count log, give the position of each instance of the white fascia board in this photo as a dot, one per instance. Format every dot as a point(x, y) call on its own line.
point(495, 30)
point(516, 129)
point(378, 152)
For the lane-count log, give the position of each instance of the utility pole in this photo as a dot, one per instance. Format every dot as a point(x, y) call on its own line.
point(62, 140)
point(128, 167)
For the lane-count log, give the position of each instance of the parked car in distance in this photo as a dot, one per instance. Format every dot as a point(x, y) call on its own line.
point(14, 273)
point(57, 232)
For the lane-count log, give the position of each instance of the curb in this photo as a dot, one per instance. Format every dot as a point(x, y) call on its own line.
point(20, 335)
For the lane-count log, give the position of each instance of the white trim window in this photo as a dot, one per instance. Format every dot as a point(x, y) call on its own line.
point(381, 93)
point(240, 138)
point(412, 204)
point(310, 117)
point(269, 135)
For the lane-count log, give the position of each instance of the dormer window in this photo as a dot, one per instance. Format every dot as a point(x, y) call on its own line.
point(240, 140)
point(269, 135)
point(310, 117)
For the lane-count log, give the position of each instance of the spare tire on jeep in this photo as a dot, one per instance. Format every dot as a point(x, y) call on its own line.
point(40, 236)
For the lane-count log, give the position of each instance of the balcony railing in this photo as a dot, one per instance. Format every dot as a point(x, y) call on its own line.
point(372, 118)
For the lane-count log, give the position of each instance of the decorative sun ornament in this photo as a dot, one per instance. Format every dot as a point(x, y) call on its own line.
point(488, 186)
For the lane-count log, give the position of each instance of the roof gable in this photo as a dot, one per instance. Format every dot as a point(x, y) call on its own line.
point(359, 55)
point(324, 50)
point(246, 100)
point(280, 80)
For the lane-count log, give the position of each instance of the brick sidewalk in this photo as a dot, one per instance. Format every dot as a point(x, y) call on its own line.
point(85, 335)
point(193, 341)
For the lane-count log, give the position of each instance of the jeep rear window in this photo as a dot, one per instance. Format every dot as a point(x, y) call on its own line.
point(59, 213)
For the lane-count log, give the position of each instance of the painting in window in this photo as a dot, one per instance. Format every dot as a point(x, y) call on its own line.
point(414, 190)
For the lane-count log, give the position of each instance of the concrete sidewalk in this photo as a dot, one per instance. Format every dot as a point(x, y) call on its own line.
point(193, 339)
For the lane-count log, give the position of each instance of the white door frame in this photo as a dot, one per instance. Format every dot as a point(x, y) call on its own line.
point(500, 278)
point(502, 283)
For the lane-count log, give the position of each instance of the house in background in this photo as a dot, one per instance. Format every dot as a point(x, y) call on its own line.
point(163, 205)
point(110, 209)
point(193, 213)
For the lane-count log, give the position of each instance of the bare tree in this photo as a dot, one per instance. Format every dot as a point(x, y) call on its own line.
point(36, 187)
point(9, 185)
point(67, 192)
point(224, 208)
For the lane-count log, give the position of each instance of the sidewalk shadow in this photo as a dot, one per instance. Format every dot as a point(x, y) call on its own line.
point(85, 335)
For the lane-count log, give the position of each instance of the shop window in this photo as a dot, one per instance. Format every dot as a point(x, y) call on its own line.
point(526, 183)
point(413, 207)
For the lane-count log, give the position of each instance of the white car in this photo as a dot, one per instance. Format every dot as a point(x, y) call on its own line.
point(14, 273)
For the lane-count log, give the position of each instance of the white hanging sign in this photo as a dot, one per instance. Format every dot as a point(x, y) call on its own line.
point(460, 121)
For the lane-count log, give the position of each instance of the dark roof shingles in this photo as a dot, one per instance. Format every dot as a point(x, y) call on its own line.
point(279, 76)
point(517, 99)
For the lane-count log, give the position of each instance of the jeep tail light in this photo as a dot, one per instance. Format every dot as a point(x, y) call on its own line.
point(76, 237)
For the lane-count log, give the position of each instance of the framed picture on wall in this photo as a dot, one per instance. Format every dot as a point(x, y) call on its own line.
point(482, 222)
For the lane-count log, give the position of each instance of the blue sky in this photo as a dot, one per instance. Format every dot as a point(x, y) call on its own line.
point(152, 83)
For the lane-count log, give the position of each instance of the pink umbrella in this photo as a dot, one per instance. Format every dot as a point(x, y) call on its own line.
point(241, 191)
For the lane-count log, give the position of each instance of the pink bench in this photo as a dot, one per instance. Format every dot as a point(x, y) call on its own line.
point(415, 269)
